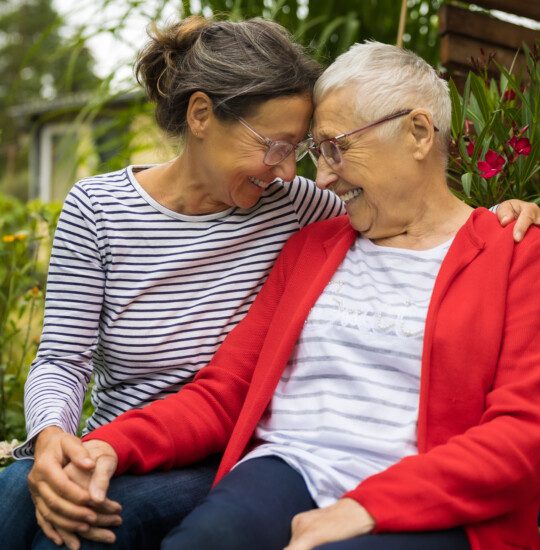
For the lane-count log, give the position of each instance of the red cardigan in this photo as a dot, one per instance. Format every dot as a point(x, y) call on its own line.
point(479, 414)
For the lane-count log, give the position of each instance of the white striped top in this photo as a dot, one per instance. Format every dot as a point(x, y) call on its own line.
point(346, 406)
point(142, 296)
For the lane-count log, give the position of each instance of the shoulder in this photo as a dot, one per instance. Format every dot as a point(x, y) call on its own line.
point(106, 182)
point(520, 260)
point(485, 225)
point(110, 188)
point(301, 188)
point(321, 231)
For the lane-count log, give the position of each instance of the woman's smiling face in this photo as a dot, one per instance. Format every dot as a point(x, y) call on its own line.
point(370, 180)
point(236, 154)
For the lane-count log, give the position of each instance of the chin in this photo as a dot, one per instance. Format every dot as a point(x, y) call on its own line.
point(359, 218)
point(246, 203)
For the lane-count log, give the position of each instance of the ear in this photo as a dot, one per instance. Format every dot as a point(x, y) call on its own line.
point(199, 113)
point(422, 132)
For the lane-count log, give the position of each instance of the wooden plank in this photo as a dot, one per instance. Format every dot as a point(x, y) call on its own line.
point(458, 50)
point(524, 8)
point(484, 27)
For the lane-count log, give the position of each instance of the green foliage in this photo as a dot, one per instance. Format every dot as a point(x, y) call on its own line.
point(25, 234)
point(36, 62)
point(496, 136)
point(330, 27)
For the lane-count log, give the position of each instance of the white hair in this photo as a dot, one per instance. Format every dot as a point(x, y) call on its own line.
point(389, 79)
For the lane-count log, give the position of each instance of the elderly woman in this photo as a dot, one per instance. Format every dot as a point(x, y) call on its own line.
point(346, 406)
point(382, 392)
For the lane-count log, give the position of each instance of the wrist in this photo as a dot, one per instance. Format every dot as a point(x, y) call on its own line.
point(45, 436)
point(366, 520)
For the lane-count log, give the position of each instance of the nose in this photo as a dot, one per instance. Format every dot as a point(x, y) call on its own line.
point(325, 175)
point(286, 169)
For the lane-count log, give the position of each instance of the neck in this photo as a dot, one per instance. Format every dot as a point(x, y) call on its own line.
point(429, 218)
point(181, 185)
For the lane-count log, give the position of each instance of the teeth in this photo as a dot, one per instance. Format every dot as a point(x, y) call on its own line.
point(351, 195)
point(257, 182)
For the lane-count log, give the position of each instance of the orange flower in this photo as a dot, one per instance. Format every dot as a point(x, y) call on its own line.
point(8, 238)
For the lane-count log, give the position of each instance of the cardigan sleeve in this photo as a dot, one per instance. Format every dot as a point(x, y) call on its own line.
point(198, 420)
point(493, 467)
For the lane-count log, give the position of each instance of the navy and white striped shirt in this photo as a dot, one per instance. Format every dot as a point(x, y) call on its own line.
point(142, 296)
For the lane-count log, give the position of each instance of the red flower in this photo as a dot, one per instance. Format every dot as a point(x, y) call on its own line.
point(509, 95)
point(520, 146)
point(492, 165)
point(470, 148)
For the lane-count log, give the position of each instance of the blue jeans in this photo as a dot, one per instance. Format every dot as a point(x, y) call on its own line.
point(253, 506)
point(17, 517)
point(152, 505)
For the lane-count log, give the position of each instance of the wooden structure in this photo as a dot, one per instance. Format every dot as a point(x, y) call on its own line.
point(465, 33)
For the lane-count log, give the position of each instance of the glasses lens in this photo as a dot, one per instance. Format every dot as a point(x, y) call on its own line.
point(277, 152)
point(330, 152)
point(302, 148)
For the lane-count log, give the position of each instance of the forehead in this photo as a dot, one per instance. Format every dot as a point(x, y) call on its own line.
point(283, 115)
point(335, 113)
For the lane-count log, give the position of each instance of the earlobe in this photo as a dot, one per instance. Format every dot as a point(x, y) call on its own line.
point(199, 112)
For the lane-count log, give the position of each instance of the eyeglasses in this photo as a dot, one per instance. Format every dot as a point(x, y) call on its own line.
point(277, 151)
point(329, 147)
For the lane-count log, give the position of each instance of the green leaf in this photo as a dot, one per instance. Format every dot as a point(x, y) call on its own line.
point(457, 110)
point(479, 92)
point(466, 182)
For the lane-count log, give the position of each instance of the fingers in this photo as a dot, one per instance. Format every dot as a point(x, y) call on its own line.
point(48, 529)
point(48, 470)
point(524, 221)
point(50, 502)
point(70, 539)
point(100, 535)
point(525, 213)
point(99, 484)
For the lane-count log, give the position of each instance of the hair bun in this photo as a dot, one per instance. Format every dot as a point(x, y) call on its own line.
point(180, 37)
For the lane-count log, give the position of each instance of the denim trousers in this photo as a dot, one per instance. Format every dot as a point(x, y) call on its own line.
point(152, 505)
point(252, 508)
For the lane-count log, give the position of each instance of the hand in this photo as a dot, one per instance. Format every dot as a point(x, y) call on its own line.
point(526, 214)
point(62, 505)
point(343, 520)
point(49, 485)
point(107, 511)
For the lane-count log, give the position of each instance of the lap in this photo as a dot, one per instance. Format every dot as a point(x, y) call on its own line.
point(251, 507)
point(18, 524)
point(152, 504)
point(452, 539)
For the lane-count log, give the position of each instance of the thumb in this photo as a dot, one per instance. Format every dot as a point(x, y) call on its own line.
point(99, 483)
point(74, 451)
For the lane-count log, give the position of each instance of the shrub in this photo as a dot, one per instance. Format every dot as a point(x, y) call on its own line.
point(495, 135)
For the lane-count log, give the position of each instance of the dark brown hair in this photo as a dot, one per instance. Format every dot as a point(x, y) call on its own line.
point(238, 64)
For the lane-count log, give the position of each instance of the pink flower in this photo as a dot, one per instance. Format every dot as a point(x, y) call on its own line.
point(492, 164)
point(520, 146)
point(470, 148)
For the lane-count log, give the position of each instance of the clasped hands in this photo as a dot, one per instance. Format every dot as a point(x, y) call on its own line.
point(68, 484)
point(70, 479)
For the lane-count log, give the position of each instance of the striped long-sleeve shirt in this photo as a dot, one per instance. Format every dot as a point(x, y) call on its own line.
point(142, 296)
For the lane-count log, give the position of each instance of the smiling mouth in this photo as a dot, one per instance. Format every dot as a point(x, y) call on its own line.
point(350, 195)
point(259, 183)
